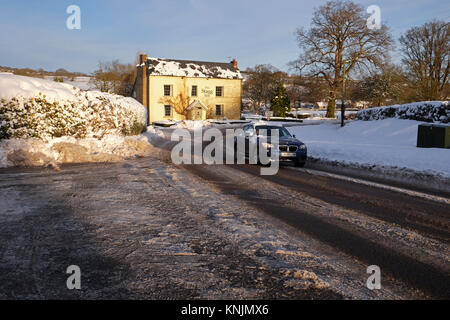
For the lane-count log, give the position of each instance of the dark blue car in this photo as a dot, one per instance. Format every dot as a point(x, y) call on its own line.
point(289, 147)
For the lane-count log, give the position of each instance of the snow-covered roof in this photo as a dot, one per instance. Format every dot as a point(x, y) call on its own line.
point(194, 69)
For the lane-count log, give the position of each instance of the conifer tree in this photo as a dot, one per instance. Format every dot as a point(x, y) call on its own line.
point(280, 103)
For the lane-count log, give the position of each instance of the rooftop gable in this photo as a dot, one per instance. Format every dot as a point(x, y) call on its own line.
point(195, 103)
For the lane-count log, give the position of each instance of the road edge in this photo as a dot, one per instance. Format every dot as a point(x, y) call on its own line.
point(400, 177)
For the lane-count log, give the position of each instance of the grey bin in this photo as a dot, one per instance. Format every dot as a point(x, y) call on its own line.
point(433, 136)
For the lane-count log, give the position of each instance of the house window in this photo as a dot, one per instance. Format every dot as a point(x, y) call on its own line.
point(194, 91)
point(167, 110)
point(219, 91)
point(219, 110)
point(167, 90)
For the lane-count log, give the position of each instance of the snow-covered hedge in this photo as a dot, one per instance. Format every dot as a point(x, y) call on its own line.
point(37, 108)
point(429, 111)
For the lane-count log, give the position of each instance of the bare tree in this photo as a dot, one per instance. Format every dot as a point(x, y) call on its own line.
point(114, 77)
point(180, 103)
point(261, 83)
point(307, 90)
point(389, 85)
point(426, 51)
point(338, 43)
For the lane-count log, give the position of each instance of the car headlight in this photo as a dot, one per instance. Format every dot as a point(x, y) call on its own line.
point(302, 147)
point(266, 145)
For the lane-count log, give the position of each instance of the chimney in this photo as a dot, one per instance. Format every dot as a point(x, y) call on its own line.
point(234, 63)
point(142, 58)
point(142, 84)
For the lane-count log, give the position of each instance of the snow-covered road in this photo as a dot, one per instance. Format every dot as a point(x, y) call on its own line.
point(148, 229)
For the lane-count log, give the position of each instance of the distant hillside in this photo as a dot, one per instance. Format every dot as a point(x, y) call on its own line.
point(41, 73)
point(76, 79)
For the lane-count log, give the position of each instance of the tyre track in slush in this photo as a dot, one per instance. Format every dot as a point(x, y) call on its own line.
point(433, 280)
point(429, 218)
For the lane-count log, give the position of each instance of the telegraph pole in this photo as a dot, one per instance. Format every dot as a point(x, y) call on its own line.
point(343, 101)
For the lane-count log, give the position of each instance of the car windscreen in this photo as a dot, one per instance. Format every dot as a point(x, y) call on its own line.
point(266, 130)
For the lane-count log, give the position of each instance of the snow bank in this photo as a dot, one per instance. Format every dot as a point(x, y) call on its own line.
point(13, 86)
point(192, 124)
point(428, 111)
point(314, 114)
point(389, 142)
point(251, 116)
point(35, 152)
point(32, 107)
point(197, 124)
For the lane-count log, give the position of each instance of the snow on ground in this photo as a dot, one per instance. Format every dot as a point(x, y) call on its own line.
point(200, 124)
point(35, 152)
point(83, 83)
point(153, 131)
point(389, 142)
point(251, 116)
point(320, 114)
point(13, 86)
point(197, 124)
point(313, 115)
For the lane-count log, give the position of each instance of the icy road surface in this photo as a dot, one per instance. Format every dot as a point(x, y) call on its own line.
point(146, 229)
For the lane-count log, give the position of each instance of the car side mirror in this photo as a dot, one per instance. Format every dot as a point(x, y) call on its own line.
point(294, 136)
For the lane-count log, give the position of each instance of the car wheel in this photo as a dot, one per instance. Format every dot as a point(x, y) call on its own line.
point(299, 164)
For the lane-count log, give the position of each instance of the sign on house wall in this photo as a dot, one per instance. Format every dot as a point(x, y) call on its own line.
point(207, 92)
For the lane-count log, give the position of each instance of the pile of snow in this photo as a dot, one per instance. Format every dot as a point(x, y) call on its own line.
point(251, 116)
point(197, 124)
point(319, 114)
point(35, 152)
point(153, 132)
point(13, 86)
point(192, 124)
point(389, 142)
point(428, 111)
point(32, 107)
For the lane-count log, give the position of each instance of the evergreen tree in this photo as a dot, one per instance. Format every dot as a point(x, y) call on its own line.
point(280, 103)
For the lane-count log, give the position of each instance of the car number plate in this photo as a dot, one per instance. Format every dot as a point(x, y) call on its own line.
point(288, 154)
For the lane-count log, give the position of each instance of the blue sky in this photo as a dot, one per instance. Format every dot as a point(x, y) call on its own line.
point(34, 34)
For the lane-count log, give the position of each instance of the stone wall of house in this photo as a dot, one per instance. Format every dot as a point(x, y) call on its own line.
point(206, 93)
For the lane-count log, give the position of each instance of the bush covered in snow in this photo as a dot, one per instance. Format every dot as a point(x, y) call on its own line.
point(429, 111)
point(36, 108)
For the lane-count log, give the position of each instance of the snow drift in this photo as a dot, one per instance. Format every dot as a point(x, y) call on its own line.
point(43, 122)
point(428, 111)
point(35, 152)
point(38, 108)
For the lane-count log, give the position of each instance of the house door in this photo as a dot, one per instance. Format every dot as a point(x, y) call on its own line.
point(198, 114)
